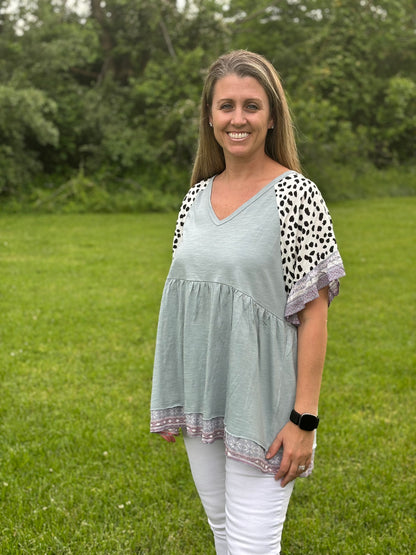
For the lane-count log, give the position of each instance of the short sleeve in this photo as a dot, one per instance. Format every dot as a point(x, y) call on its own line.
point(309, 251)
point(184, 210)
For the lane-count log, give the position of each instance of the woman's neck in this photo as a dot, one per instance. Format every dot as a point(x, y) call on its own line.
point(239, 173)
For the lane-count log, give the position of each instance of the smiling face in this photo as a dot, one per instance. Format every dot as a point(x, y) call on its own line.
point(240, 115)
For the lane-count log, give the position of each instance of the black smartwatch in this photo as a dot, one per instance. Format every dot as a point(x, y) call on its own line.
point(305, 421)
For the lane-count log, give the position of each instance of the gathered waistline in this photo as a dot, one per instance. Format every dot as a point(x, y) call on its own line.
point(236, 290)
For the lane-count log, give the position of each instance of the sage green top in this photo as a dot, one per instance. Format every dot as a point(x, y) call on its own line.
point(225, 361)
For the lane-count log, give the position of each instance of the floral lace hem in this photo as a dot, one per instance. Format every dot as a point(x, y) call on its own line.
point(327, 273)
point(240, 449)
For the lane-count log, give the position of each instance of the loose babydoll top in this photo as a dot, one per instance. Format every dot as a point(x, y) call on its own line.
point(226, 350)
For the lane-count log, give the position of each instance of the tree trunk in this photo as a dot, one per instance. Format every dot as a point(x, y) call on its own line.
point(106, 40)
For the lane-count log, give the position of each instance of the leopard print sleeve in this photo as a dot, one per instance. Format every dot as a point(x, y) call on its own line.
point(309, 251)
point(183, 212)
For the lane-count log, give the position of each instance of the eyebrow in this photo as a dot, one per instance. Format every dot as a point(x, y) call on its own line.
point(258, 100)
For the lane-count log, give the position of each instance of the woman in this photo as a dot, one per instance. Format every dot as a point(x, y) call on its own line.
point(242, 328)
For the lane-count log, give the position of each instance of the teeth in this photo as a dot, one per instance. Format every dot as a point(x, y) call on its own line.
point(238, 135)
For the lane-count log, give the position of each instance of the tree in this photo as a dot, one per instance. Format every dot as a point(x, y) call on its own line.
point(340, 60)
point(26, 121)
point(114, 91)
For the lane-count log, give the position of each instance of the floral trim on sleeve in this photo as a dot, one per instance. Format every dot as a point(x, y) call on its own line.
point(184, 210)
point(310, 256)
point(327, 273)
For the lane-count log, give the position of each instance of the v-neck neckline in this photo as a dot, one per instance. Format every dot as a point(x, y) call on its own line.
point(245, 204)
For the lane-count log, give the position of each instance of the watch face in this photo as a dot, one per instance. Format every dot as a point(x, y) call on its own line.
point(308, 422)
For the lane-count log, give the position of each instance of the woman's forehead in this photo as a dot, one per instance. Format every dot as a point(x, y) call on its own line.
point(235, 86)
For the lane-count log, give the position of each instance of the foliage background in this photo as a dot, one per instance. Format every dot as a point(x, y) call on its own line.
point(99, 99)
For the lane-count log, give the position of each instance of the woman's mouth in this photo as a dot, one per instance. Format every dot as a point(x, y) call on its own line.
point(238, 136)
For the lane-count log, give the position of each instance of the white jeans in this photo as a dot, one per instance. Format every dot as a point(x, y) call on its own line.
point(246, 508)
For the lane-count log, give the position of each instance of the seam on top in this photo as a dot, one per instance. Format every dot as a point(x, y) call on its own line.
point(237, 291)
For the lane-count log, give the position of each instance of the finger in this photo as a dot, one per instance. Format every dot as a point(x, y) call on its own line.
point(168, 437)
point(290, 475)
point(307, 465)
point(302, 467)
point(284, 468)
point(274, 448)
point(289, 469)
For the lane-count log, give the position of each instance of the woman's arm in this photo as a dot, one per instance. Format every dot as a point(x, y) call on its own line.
point(312, 338)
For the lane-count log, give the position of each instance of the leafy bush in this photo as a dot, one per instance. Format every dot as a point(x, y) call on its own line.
point(82, 194)
point(26, 123)
point(339, 182)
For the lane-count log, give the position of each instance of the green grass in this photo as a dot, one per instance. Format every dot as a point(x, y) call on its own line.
point(79, 472)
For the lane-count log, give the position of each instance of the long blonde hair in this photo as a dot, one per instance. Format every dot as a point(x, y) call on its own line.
point(280, 141)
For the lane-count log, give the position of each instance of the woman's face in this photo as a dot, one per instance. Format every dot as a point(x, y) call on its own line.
point(240, 115)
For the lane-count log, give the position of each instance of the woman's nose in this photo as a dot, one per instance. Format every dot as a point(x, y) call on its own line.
point(238, 117)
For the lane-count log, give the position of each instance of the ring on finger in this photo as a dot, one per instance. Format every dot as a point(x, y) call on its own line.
point(301, 468)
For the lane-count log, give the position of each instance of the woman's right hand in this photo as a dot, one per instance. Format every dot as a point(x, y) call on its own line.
point(168, 436)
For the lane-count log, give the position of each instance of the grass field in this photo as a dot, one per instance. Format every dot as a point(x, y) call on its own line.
point(79, 472)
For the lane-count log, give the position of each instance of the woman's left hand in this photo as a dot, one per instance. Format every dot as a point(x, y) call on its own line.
point(297, 452)
point(168, 436)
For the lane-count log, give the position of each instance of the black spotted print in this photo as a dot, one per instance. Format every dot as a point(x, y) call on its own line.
point(184, 210)
point(307, 236)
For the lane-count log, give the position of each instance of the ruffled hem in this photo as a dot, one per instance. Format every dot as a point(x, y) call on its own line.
point(327, 273)
point(209, 430)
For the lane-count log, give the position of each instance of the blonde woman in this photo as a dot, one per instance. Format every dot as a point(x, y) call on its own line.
point(242, 328)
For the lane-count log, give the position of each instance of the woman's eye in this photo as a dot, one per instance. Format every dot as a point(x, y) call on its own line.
point(226, 106)
point(252, 106)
